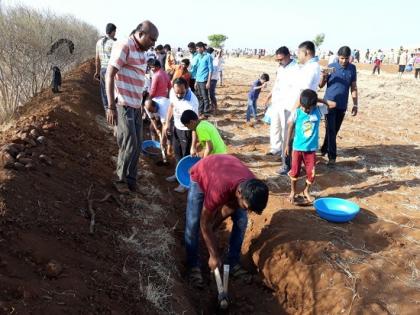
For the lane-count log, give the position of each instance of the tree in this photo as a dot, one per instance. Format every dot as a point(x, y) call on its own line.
point(217, 40)
point(319, 39)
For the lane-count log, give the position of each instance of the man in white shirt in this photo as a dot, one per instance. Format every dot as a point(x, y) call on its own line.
point(307, 77)
point(310, 71)
point(156, 110)
point(103, 54)
point(181, 99)
point(283, 98)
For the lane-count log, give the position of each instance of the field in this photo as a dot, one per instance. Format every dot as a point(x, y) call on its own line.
point(54, 259)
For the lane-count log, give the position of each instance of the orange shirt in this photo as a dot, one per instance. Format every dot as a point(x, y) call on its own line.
point(180, 73)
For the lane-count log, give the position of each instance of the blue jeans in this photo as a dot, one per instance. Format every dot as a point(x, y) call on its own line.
point(195, 202)
point(102, 88)
point(251, 110)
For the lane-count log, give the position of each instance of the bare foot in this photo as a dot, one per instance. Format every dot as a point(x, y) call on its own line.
point(308, 197)
point(292, 198)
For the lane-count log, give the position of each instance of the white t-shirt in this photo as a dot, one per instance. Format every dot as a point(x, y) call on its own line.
point(163, 104)
point(216, 67)
point(285, 92)
point(190, 101)
point(403, 59)
point(309, 76)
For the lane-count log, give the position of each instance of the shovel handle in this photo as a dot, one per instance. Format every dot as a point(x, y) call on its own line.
point(226, 278)
point(218, 281)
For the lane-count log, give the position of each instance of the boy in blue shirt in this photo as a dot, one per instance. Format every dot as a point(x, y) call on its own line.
point(253, 95)
point(304, 122)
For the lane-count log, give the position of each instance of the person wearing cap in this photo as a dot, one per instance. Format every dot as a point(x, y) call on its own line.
point(221, 187)
point(103, 53)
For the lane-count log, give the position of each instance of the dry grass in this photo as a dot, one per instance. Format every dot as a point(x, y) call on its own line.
point(155, 263)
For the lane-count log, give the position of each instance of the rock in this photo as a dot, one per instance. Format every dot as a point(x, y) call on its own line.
point(41, 139)
point(62, 165)
point(53, 269)
point(13, 148)
point(31, 142)
point(30, 167)
point(18, 166)
point(34, 133)
point(45, 159)
point(48, 126)
point(25, 161)
point(6, 159)
point(20, 156)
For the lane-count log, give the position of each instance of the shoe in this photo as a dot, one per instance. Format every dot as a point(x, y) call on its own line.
point(171, 179)
point(181, 189)
point(195, 278)
point(331, 163)
point(283, 170)
point(132, 187)
point(238, 272)
point(272, 152)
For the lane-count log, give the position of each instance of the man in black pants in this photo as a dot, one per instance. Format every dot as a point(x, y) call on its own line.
point(194, 54)
point(339, 83)
point(203, 78)
point(182, 99)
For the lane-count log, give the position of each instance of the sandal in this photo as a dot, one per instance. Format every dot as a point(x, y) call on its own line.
point(238, 271)
point(195, 278)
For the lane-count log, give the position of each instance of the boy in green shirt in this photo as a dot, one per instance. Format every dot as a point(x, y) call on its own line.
point(209, 138)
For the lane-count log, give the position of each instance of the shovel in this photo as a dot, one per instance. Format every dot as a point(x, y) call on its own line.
point(222, 286)
point(162, 149)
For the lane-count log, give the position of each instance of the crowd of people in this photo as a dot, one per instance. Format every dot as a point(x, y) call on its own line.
point(141, 82)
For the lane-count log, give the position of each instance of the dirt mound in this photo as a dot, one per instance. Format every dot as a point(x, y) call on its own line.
point(69, 244)
point(55, 259)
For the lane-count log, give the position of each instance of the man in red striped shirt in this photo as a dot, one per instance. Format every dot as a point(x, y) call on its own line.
point(124, 88)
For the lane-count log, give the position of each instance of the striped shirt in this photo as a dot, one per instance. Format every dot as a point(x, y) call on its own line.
point(103, 49)
point(129, 80)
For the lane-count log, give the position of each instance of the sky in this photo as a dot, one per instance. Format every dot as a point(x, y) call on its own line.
point(265, 24)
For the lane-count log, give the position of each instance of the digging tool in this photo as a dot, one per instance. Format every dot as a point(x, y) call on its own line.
point(162, 149)
point(222, 286)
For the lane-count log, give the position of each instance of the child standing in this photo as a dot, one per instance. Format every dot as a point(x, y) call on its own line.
point(304, 122)
point(377, 66)
point(206, 136)
point(253, 95)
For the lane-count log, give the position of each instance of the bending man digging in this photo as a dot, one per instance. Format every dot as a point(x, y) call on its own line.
point(221, 187)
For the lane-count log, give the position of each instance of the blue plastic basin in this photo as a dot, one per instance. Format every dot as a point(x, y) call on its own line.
point(150, 144)
point(182, 170)
point(336, 209)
